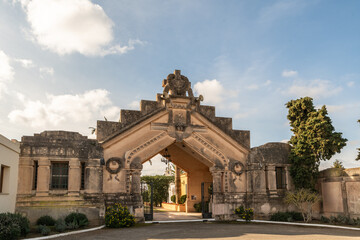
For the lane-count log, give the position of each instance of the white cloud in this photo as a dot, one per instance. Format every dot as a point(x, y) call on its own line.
point(70, 26)
point(25, 63)
point(245, 113)
point(6, 72)
point(59, 109)
point(316, 89)
point(135, 105)
point(335, 108)
point(289, 73)
point(212, 90)
point(350, 84)
point(46, 71)
point(253, 87)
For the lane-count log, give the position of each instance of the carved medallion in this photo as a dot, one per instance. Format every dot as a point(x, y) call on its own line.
point(114, 165)
point(238, 168)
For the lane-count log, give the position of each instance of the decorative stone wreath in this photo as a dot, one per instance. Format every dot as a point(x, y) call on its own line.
point(238, 168)
point(114, 161)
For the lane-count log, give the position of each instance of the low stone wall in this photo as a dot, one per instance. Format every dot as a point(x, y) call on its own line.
point(340, 190)
point(174, 207)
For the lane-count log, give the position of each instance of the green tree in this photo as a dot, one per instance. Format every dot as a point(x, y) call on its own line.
point(338, 164)
point(314, 140)
point(160, 185)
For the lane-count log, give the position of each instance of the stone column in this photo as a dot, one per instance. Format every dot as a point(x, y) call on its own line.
point(44, 175)
point(74, 182)
point(271, 179)
point(177, 184)
point(25, 177)
point(136, 179)
point(93, 176)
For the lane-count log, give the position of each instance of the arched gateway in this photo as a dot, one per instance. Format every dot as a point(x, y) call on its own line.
point(204, 145)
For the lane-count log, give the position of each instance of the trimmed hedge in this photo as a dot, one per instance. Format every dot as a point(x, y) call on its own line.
point(286, 217)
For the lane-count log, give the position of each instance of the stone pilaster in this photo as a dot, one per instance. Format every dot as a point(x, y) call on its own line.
point(216, 181)
point(74, 182)
point(93, 176)
point(289, 183)
point(271, 179)
point(44, 173)
point(26, 169)
point(135, 183)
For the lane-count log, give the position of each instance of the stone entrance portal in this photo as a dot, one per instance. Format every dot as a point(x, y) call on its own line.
point(62, 172)
point(204, 145)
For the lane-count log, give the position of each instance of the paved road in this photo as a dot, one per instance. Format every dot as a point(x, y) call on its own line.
point(161, 214)
point(217, 231)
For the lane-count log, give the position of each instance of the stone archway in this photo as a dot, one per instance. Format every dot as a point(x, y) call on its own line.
point(175, 117)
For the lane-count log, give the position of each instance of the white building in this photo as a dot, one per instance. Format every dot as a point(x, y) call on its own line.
point(9, 161)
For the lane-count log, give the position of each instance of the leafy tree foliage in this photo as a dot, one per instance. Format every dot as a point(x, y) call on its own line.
point(314, 140)
point(303, 199)
point(338, 164)
point(160, 185)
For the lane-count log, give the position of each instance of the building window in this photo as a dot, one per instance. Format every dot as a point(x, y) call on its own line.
point(36, 166)
point(82, 187)
point(280, 178)
point(4, 179)
point(59, 175)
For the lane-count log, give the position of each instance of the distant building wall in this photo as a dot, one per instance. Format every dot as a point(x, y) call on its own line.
point(9, 160)
point(340, 190)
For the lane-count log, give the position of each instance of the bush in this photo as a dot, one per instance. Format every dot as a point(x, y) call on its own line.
point(44, 230)
point(117, 216)
point(286, 217)
point(198, 207)
point(78, 219)
point(60, 225)
point(246, 214)
point(13, 226)
point(173, 198)
point(46, 220)
point(303, 199)
point(72, 225)
point(325, 219)
point(182, 199)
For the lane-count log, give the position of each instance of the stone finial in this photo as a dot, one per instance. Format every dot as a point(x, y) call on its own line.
point(177, 85)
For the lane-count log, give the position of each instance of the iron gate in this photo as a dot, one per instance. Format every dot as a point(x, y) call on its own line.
point(206, 199)
point(147, 197)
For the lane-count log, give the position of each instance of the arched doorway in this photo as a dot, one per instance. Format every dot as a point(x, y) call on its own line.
point(202, 144)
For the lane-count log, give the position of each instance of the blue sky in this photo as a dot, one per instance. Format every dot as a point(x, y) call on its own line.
point(65, 64)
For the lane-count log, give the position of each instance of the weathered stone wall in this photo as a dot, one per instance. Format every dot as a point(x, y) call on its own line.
point(262, 192)
point(340, 190)
point(60, 147)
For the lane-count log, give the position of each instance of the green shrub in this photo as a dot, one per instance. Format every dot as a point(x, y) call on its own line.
point(246, 214)
point(13, 226)
point(46, 220)
point(286, 217)
point(77, 218)
point(182, 199)
point(117, 216)
point(325, 219)
point(198, 207)
point(60, 225)
point(72, 225)
point(173, 198)
point(44, 230)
